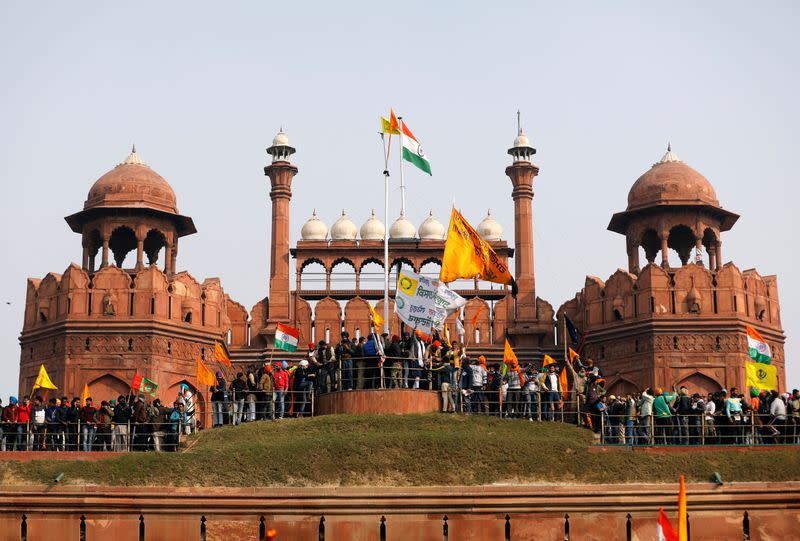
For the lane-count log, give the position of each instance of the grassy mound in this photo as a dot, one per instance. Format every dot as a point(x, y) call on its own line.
point(381, 450)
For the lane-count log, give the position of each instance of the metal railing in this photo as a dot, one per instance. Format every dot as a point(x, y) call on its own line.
point(264, 532)
point(697, 429)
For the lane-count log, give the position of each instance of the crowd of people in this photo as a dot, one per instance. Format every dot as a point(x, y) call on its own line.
point(513, 390)
point(124, 424)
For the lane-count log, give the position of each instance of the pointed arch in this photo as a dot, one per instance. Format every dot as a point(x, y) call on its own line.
point(107, 387)
point(700, 383)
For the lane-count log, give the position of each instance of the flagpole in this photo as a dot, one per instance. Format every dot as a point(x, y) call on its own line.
point(386, 235)
point(402, 180)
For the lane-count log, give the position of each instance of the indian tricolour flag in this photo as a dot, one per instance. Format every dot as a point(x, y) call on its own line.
point(665, 531)
point(757, 346)
point(412, 151)
point(286, 337)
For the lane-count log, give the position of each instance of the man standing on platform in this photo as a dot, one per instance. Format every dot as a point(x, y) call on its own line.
point(376, 345)
point(344, 355)
point(326, 360)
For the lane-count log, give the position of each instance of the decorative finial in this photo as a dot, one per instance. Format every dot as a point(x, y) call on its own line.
point(488, 212)
point(133, 149)
point(669, 146)
point(281, 128)
point(519, 123)
point(343, 212)
point(314, 213)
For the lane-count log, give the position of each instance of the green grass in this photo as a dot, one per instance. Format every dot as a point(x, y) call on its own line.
point(408, 450)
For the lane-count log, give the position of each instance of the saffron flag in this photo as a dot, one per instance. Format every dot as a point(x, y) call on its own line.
point(143, 385)
point(85, 394)
point(548, 360)
point(286, 337)
point(220, 355)
point(573, 354)
point(564, 382)
point(412, 150)
point(757, 346)
point(390, 125)
point(761, 376)
point(509, 358)
point(43, 380)
point(665, 531)
point(481, 308)
point(204, 375)
point(467, 255)
point(377, 319)
point(683, 534)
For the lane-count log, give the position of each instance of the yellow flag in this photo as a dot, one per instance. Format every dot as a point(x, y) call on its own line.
point(761, 376)
point(386, 126)
point(43, 380)
point(377, 319)
point(573, 354)
point(467, 255)
point(204, 375)
point(219, 353)
point(85, 394)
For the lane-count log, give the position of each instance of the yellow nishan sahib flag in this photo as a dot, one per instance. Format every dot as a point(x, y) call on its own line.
point(761, 376)
point(467, 255)
point(43, 380)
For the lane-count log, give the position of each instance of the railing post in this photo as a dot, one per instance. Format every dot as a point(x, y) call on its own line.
point(746, 527)
point(82, 529)
point(566, 526)
point(321, 530)
point(262, 529)
point(23, 528)
point(383, 529)
point(446, 532)
point(203, 528)
point(602, 429)
point(141, 527)
point(312, 404)
point(628, 532)
point(178, 442)
point(703, 428)
point(539, 406)
point(753, 427)
point(130, 437)
point(577, 410)
point(507, 536)
point(652, 430)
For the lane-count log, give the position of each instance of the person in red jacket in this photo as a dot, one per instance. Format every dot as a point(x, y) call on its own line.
point(10, 424)
point(281, 378)
point(24, 426)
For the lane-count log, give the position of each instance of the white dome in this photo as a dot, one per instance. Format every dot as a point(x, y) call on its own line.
point(343, 228)
point(489, 229)
point(431, 228)
point(373, 229)
point(314, 229)
point(402, 229)
point(281, 139)
point(521, 141)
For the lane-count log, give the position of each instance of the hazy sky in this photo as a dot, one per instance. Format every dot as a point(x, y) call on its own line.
point(202, 87)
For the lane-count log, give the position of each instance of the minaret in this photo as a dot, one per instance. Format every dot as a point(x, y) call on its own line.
point(522, 172)
point(280, 173)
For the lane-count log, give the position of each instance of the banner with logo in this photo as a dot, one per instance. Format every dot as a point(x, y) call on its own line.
point(424, 303)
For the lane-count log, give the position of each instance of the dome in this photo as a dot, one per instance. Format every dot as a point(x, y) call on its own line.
point(671, 182)
point(281, 139)
point(431, 228)
point(489, 229)
point(132, 184)
point(343, 228)
point(373, 229)
point(402, 229)
point(314, 229)
point(521, 141)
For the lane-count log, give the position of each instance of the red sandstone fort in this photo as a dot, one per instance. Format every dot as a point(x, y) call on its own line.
point(668, 321)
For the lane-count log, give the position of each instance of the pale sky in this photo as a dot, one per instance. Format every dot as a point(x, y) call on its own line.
point(202, 87)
